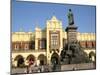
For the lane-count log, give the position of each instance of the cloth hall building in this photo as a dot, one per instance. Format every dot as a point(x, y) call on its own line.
point(41, 46)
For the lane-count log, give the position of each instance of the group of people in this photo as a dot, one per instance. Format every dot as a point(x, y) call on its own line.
point(37, 68)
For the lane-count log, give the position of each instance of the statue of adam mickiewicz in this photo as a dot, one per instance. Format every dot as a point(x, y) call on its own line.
point(70, 17)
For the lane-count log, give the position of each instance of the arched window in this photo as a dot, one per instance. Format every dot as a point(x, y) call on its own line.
point(16, 47)
point(42, 59)
point(26, 47)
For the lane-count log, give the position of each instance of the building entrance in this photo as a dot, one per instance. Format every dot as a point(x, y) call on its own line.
point(55, 59)
point(20, 61)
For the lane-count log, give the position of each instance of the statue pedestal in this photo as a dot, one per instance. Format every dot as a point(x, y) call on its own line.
point(71, 33)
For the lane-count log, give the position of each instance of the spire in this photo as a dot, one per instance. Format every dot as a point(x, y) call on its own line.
point(37, 27)
point(54, 18)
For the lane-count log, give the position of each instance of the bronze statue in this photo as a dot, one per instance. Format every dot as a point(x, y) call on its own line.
point(70, 17)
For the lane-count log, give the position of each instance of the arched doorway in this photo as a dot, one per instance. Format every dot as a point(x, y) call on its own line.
point(42, 59)
point(20, 61)
point(31, 59)
point(55, 59)
point(92, 56)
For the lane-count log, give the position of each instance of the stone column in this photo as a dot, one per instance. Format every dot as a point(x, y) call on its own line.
point(49, 59)
point(15, 63)
point(36, 60)
point(37, 36)
point(36, 43)
point(26, 62)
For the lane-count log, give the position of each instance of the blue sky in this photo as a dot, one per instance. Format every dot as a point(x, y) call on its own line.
point(27, 15)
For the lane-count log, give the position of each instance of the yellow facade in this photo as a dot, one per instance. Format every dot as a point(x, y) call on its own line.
point(53, 25)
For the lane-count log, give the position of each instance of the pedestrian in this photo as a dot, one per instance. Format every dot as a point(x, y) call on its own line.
point(74, 68)
point(27, 69)
point(42, 68)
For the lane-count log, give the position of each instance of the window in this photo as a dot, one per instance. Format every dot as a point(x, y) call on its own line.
point(83, 44)
point(89, 44)
point(93, 44)
point(16, 47)
point(32, 45)
point(54, 40)
point(26, 47)
point(43, 44)
point(64, 42)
